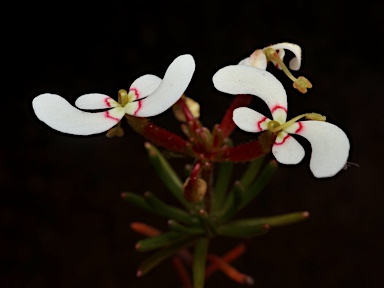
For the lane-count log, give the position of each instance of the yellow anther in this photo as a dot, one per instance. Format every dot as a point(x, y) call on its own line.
point(315, 116)
point(301, 83)
point(123, 97)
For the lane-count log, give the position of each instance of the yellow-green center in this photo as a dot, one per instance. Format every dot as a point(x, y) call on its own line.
point(272, 125)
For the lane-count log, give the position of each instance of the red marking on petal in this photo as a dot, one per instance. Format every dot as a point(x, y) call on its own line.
point(138, 107)
point(106, 101)
point(273, 109)
point(259, 123)
point(109, 116)
point(137, 94)
point(282, 142)
point(301, 127)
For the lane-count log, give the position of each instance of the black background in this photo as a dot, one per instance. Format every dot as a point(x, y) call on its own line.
point(63, 223)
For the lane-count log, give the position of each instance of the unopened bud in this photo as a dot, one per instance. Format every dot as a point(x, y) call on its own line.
point(195, 192)
point(192, 105)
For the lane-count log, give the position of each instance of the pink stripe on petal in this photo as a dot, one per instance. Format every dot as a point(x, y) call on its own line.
point(260, 122)
point(108, 115)
point(140, 105)
point(249, 120)
point(145, 85)
point(243, 79)
point(134, 90)
point(282, 141)
point(106, 101)
point(274, 108)
point(95, 101)
point(300, 128)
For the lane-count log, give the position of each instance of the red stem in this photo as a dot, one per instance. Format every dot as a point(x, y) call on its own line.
point(227, 125)
point(159, 136)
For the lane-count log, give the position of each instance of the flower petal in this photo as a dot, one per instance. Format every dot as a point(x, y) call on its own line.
point(60, 115)
point(257, 59)
point(295, 62)
point(145, 85)
point(175, 82)
point(330, 147)
point(287, 150)
point(95, 101)
point(241, 79)
point(250, 120)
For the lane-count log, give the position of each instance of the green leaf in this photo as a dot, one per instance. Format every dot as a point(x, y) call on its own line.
point(222, 184)
point(160, 208)
point(210, 227)
point(261, 181)
point(199, 259)
point(161, 255)
point(136, 200)
point(161, 240)
point(177, 227)
point(275, 221)
point(251, 172)
point(232, 202)
point(235, 229)
point(167, 174)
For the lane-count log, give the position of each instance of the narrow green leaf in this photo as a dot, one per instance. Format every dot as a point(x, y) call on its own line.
point(199, 259)
point(168, 211)
point(261, 181)
point(234, 229)
point(136, 200)
point(167, 174)
point(222, 184)
point(177, 227)
point(161, 255)
point(251, 172)
point(161, 240)
point(232, 202)
point(275, 221)
point(210, 227)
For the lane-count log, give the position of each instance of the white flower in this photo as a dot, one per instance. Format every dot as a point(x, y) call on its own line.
point(148, 95)
point(259, 60)
point(330, 145)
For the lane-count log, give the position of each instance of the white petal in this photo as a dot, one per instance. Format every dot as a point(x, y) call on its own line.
point(257, 59)
point(287, 150)
point(145, 85)
point(241, 79)
point(249, 120)
point(295, 62)
point(95, 101)
point(245, 62)
point(60, 115)
point(330, 147)
point(175, 82)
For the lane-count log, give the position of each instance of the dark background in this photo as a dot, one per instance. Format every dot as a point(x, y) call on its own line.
point(63, 223)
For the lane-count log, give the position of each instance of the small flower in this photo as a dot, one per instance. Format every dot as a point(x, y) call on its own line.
point(275, 54)
point(330, 145)
point(260, 60)
point(148, 95)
